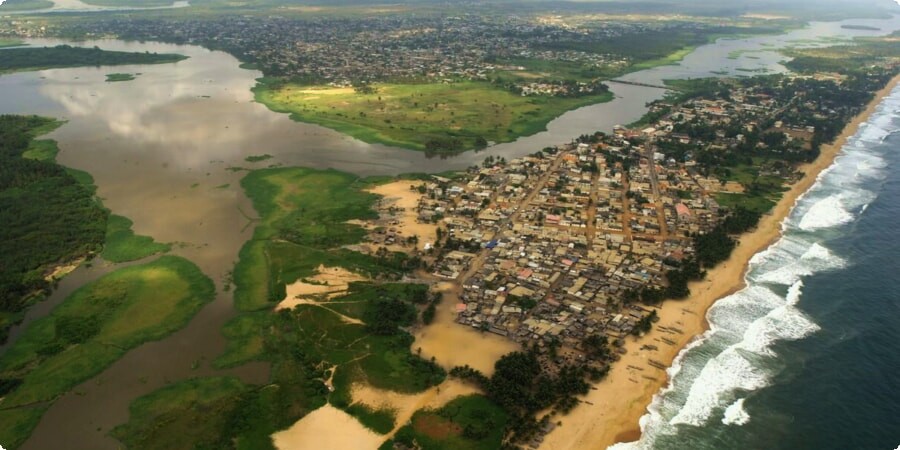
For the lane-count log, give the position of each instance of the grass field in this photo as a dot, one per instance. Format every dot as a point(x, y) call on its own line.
point(467, 423)
point(5, 42)
point(123, 245)
point(91, 329)
point(163, 419)
point(447, 117)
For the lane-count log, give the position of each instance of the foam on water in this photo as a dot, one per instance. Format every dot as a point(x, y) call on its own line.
point(711, 377)
point(735, 414)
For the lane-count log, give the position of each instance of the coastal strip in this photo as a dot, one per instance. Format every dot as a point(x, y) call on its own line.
point(616, 405)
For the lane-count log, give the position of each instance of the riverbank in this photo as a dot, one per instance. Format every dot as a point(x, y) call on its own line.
point(614, 408)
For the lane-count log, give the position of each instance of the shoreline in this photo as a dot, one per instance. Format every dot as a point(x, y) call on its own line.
point(616, 404)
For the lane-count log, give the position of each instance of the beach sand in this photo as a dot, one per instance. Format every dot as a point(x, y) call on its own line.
point(398, 195)
point(619, 401)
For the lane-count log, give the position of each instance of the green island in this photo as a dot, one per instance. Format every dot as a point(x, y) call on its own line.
point(61, 56)
point(92, 328)
point(122, 245)
point(258, 158)
point(860, 27)
point(435, 117)
point(114, 77)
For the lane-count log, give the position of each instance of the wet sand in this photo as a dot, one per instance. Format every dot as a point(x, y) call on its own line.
point(398, 195)
point(623, 396)
point(453, 344)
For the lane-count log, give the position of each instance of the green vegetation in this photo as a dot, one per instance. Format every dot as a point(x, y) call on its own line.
point(358, 337)
point(39, 58)
point(123, 245)
point(164, 419)
point(49, 215)
point(522, 388)
point(25, 5)
point(466, 423)
point(131, 3)
point(435, 117)
point(845, 59)
point(10, 42)
point(114, 77)
point(258, 158)
point(91, 329)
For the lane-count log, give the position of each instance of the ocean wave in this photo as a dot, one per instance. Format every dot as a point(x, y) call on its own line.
point(720, 377)
point(789, 268)
point(735, 414)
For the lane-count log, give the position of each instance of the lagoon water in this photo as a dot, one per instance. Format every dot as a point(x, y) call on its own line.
point(164, 150)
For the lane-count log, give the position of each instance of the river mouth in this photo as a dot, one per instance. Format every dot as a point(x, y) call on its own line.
point(168, 150)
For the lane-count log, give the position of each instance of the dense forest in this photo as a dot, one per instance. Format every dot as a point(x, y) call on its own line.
point(28, 58)
point(48, 218)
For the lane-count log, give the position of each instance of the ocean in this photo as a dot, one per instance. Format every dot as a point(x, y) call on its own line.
point(808, 354)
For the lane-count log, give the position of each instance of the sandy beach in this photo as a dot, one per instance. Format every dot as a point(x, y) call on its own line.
point(612, 410)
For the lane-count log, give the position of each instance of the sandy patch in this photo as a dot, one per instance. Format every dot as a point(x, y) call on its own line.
point(622, 398)
point(327, 91)
point(405, 405)
point(764, 16)
point(453, 344)
point(319, 290)
point(399, 195)
point(62, 270)
point(327, 428)
point(327, 282)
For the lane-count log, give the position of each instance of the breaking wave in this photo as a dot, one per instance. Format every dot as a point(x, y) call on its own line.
point(711, 377)
point(735, 414)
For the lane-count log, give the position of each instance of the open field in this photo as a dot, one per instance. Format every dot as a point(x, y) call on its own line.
point(436, 117)
point(92, 328)
point(5, 42)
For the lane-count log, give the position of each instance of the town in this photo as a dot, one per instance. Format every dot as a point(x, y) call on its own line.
point(523, 54)
point(574, 245)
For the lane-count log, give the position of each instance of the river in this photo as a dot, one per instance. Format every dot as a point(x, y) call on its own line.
point(160, 148)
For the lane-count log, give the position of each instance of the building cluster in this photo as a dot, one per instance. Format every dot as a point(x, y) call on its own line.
point(343, 51)
point(548, 247)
